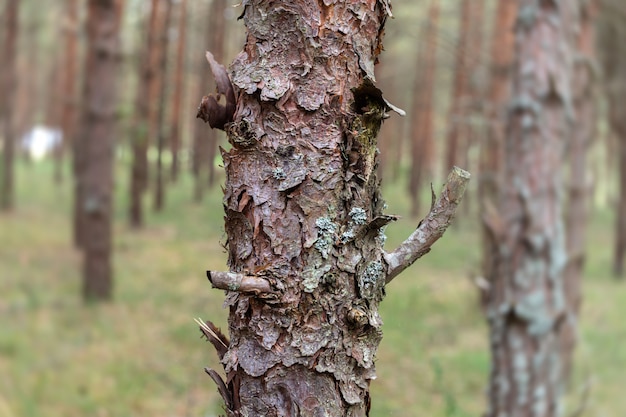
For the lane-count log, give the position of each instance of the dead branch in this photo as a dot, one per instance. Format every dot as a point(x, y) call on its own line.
point(431, 228)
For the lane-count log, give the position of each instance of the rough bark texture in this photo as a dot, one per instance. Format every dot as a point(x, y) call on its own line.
point(144, 107)
point(527, 305)
point(581, 138)
point(304, 215)
point(98, 137)
point(422, 143)
point(7, 104)
point(179, 86)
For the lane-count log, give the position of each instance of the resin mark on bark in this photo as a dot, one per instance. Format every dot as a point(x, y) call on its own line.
point(210, 110)
point(431, 228)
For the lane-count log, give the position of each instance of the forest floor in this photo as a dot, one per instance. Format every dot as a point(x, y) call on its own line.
point(142, 355)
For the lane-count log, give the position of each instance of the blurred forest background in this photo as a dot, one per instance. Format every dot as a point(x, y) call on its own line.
point(445, 63)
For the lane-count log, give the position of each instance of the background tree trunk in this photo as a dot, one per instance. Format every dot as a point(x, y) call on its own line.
point(179, 87)
point(492, 148)
point(141, 135)
point(422, 142)
point(527, 306)
point(159, 192)
point(7, 102)
point(98, 135)
point(459, 104)
point(576, 220)
point(216, 42)
point(304, 211)
point(68, 82)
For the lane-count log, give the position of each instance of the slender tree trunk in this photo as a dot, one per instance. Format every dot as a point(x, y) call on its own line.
point(218, 24)
point(98, 135)
point(492, 148)
point(7, 103)
point(526, 306)
point(141, 136)
point(68, 82)
point(583, 40)
point(304, 211)
point(159, 192)
point(422, 150)
point(201, 133)
point(459, 104)
point(179, 87)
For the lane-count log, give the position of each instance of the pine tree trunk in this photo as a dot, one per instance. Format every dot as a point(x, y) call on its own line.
point(576, 221)
point(159, 192)
point(422, 143)
point(304, 214)
point(141, 136)
point(459, 104)
point(68, 82)
point(98, 137)
point(218, 29)
point(179, 87)
point(526, 306)
point(492, 148)
point(7, 104)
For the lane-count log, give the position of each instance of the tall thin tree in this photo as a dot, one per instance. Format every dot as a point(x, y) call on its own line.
point(98, 122)
point(7, 104)
point(159, 181)
point(304, 214)
point(179, 87)
point(141, 133)
point(422, 129)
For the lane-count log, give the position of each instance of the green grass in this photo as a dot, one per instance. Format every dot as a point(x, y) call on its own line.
point(142, 356)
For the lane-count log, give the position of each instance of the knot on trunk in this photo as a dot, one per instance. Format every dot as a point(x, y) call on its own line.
point(210, 110)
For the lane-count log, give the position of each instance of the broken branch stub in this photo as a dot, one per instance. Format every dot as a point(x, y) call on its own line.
point(431, 228)
point(210, 110)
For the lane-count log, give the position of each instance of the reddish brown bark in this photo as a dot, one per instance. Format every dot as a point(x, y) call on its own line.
point(526, 303)
point(159, 192)
point(98, 137)
point(492, 146)
point(7, 104)
point(459, 103)
point(145, 102)
point(576, 220)
point(304, 212)
point(422, 143)
point(177, 96)
point(201, 132)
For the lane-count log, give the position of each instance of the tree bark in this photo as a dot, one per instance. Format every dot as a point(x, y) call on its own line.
point(422, 143)
point(492, 147)
point(304, 214)
point(98, 135)
point(216, 42)
point(459, 104)
point(68, 82)
point(526, 305)
point(576, 220)
point(7, 102)
point(179, 87)
point(159, 192)
point(141, 137)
